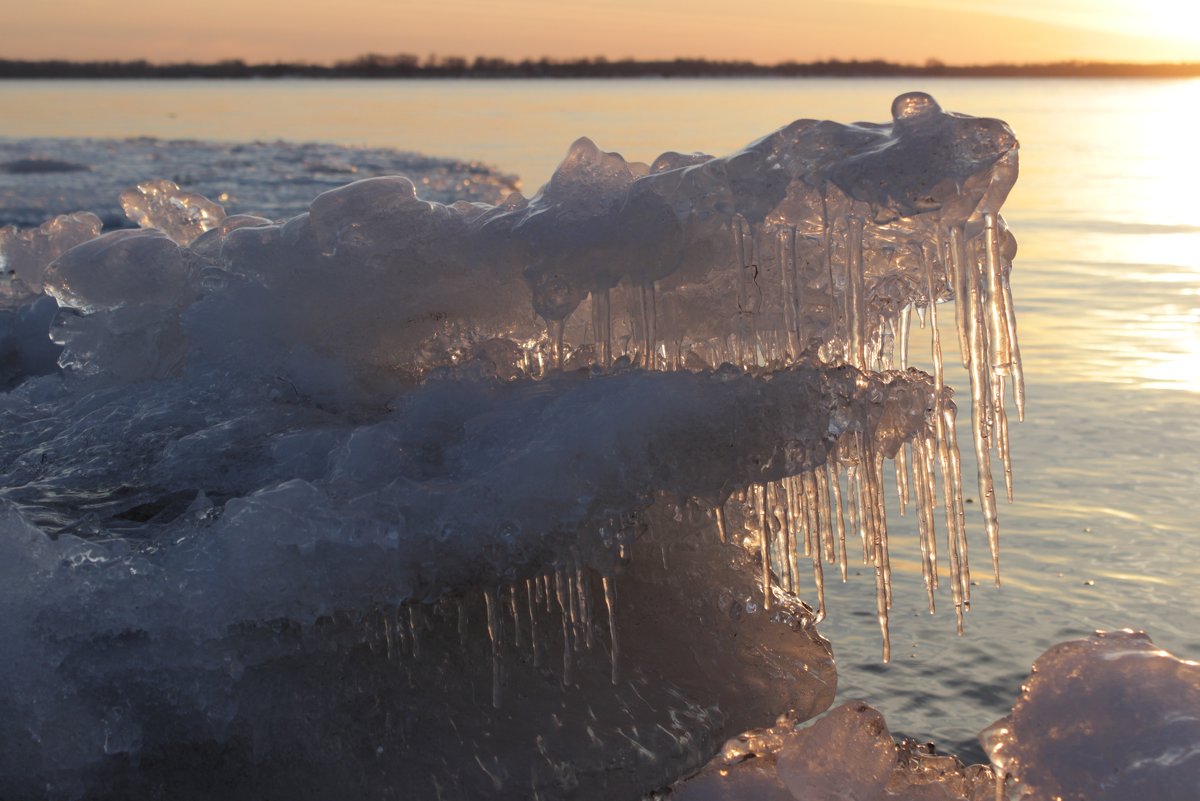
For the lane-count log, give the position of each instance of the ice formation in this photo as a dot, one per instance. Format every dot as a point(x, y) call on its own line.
point(515, 475)
point(1109, 718)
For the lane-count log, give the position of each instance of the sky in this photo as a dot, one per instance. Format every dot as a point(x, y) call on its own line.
point(766, 31)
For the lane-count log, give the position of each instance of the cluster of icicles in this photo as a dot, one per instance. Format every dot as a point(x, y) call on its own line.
point(808, 515)
point(816, 242)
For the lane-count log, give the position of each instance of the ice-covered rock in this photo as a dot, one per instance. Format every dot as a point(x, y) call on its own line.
point(1109, 718)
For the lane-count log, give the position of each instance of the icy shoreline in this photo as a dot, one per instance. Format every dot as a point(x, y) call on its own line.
point(204, 409)
point(44, 177)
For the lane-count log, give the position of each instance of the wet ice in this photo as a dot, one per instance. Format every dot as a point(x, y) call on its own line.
point(393, 424)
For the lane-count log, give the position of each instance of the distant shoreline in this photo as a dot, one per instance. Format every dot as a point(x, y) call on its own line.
point(408, 67)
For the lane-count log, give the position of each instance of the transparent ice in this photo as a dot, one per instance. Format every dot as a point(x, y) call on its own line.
point(482, 499)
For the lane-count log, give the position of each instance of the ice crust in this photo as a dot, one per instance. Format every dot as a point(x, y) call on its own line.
point(389, 437)
point(1109, 718)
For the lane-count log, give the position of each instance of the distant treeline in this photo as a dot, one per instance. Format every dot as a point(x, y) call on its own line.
point(405, 65)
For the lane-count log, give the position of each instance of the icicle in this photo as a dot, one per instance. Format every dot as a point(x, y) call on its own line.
point(1000, 427)
point(821, 479)
point(856, 312)
point(928, 448)
point(745, 319)
point(650, 325)
point(854, 487)
point(784, 540)
point(572, 598)
point(764, 535)
point(963, 278)
point(905, 328)
point(387, 635)
point(835, 483)
point(585, 604)
point(813, 527)
point(902, 489)
point(960, 530)
point(722, 524)
point(924, 518)
point(564, 608)
point(997, 319)
point(981, 418)
point(870, 508)
point(602, 326)
point(516, 615)
point(789, 279)
point(462, 622)
point(554, 328)
point(1010, 318)
point(531, 600)
point(929, 263)
point(493, 628)
point(412, 630)
point(610, 603)
point(881, 529)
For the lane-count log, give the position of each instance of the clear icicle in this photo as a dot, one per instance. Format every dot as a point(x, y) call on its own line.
point(856, 312)
point(516, 615)
point(764, 534)
point(1010, 318)
point(814, 528)
point(905, 329)
point(791, 289)
point(981, 415)
point(961, 273)
point(955, 478)
point(997, 320)
point(784, 538)
point(880, 514)
point(412, 629)
point(493, 628)
point(650, 325)
point(554, 328)
point(531, 600)
point(602, 326)
point(722, 524)
point(821, 479)
point(835, 484)
point(924, 519)
point(564, 605)
point(1000, 427)
point(610, 603)
point(585, 604)
point(903, 495)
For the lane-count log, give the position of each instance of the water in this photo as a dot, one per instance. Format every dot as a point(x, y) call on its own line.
point(1107, 286)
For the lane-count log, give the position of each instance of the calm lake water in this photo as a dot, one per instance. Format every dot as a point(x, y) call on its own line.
point(1102, 533)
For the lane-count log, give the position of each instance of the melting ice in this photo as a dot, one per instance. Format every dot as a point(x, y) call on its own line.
point(512, 500)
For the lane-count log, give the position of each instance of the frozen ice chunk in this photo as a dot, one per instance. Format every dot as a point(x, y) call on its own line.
point(25, 254)
point(1109, 718)
point(848, 755)
point(25, 346)
point(121, 268)
point(179, 214)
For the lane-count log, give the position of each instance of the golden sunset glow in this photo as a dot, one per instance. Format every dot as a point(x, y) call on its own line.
point(765, 31)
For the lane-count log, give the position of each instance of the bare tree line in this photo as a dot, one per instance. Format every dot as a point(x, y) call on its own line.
point(406, 65)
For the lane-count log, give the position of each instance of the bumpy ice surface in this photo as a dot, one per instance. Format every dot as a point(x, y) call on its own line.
point(484, 499)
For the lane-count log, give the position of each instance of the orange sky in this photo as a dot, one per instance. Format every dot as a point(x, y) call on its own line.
point(956, 31)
